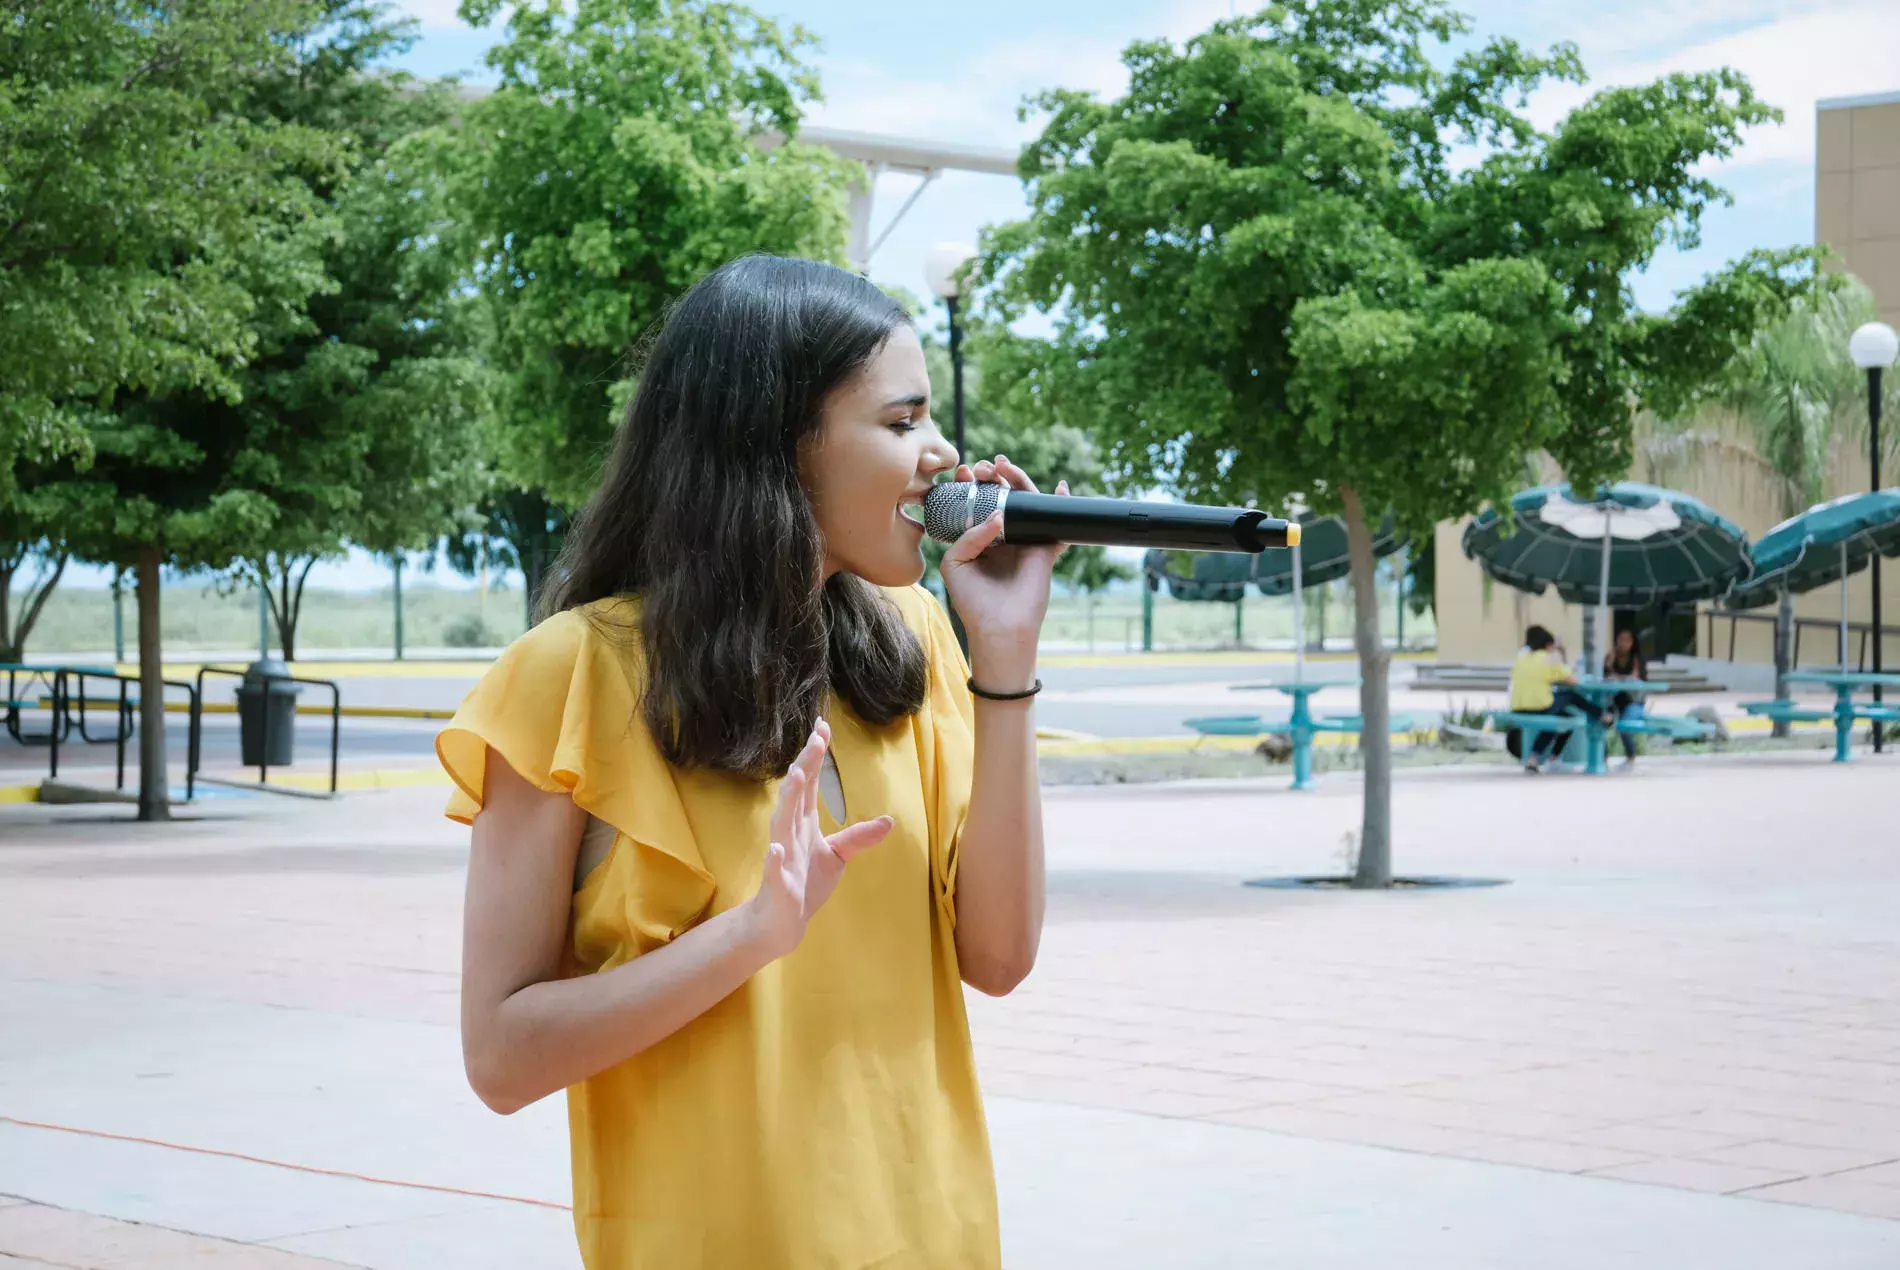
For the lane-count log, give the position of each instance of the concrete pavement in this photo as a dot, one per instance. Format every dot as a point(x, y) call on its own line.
point(1673, 1039)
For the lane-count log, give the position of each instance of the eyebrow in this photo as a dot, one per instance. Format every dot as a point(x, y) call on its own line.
point(919, 400)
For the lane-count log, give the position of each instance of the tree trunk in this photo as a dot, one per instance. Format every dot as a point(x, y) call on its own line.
point(286, 601)
point(1784, 638)
point(533, 566)
point(154, 784)
point(13, 633)
point(1375, 738)
point(9, 650)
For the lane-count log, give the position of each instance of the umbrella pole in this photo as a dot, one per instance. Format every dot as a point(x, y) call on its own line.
point(1299, 620)
point(1843, 608)
point(1591, 661)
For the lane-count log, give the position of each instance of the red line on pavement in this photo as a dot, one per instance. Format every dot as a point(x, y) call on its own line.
point(282, 1164)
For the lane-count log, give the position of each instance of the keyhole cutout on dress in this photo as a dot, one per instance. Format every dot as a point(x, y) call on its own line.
point(831, 788)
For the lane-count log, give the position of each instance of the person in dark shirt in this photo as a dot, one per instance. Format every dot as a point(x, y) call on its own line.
point(1624, 662)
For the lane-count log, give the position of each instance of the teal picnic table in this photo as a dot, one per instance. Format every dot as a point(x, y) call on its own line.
point(1600, 693)
point(1597, 694)
point(1846, 710)
point(1300, 727)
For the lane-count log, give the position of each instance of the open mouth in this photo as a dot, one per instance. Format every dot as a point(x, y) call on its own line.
point(912, 510)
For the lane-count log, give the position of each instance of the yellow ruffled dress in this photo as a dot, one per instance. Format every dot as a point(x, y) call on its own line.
point(826, 1114)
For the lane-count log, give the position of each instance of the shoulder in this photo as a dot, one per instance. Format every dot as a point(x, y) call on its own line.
point(921, 610)
point(611, 625)
point(594, 649)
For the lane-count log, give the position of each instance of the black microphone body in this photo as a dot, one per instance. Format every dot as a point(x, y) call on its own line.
point(953, 507)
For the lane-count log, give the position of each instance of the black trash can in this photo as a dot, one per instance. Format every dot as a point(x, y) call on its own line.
point(258, 696)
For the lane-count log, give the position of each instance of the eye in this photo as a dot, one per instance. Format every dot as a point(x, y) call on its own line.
point(906, 424)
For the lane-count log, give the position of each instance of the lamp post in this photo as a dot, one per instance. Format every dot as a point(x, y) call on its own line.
point(945, 273)
point(945, 268)
point(1873, 348)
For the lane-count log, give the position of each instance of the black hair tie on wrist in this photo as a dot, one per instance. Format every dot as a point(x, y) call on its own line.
point(1004, 696)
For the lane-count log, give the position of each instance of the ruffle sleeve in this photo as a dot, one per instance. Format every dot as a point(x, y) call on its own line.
point(561, 706)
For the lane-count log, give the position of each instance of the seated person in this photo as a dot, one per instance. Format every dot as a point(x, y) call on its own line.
point(1536, 679)
point(1625, 662)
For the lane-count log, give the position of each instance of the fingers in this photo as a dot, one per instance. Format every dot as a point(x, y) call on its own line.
point(813, 761)
point(812, 757)
point(975, 540)
point(1011, 475)
point(791, 797)
point(849, 841)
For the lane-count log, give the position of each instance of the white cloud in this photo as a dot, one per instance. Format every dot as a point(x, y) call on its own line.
point(1832, 50)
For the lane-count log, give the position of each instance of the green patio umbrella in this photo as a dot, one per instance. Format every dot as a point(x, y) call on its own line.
point(1626, 545)
point(1320, 558)
point(1829, 542)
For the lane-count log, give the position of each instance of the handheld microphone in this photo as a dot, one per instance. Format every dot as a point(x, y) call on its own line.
point(953, 507)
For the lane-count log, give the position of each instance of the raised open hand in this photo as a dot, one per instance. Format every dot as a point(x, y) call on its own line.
point(802, 866)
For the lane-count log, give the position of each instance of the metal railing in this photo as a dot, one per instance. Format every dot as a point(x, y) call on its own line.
point(15, 702)
point(263, 750)
point(64, 717)
point(1833, 629)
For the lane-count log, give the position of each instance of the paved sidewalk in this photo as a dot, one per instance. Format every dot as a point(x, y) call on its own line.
point(1672, 1040)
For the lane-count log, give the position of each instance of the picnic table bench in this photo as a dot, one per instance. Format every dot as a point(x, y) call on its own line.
point(1567, 724)
point(1845, 712)
point(1573, 722)
point(1300, 731)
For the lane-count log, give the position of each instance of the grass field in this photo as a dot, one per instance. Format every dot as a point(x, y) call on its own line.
point(196, 617)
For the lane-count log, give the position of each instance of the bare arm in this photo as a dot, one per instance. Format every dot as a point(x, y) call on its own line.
point(1002, 593)
point(1000, 893)
point(526, 1031)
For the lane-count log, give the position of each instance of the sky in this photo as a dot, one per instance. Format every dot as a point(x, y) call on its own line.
point(909, 71)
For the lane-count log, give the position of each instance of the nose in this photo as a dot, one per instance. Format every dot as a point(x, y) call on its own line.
point(939, 456)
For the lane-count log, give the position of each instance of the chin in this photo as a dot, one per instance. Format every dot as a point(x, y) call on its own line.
point(890, 573)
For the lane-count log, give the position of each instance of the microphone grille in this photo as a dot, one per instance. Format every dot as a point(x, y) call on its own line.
point(952, 507)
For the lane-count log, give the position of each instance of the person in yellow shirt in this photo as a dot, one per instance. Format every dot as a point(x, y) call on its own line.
point(1537, 677)
point(745, 817)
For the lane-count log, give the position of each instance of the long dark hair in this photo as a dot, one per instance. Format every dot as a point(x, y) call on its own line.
point(701, 516)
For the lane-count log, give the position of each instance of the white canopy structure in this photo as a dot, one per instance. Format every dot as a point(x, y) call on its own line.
point(878, 155)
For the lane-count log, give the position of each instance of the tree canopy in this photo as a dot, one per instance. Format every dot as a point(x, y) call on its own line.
point(614, 164)
point(151, 231)
point(1311, 255)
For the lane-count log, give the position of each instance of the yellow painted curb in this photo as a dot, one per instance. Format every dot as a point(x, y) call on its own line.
point(348, 712)
point(424, 669)
point(1206, 657)
point(19, 793)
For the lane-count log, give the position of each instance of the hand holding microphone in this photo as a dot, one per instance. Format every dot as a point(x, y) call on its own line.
point(1000, 589)
point(1006, 537)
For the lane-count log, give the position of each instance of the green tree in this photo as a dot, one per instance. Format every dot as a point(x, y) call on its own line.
point(1048, 452)
point(612, 166)
point(511, 528)
point(22, 595)
point(1789, 400)
point(1270, 280)
point(154, 236)
point(355, 419)
point(129, 191)
point(362, 424)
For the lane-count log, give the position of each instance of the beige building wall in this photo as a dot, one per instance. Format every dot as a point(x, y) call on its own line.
point(1857, 214)
point(1857, 191)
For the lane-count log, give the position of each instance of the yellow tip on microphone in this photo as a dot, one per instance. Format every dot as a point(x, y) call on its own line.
point(1292, 533)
